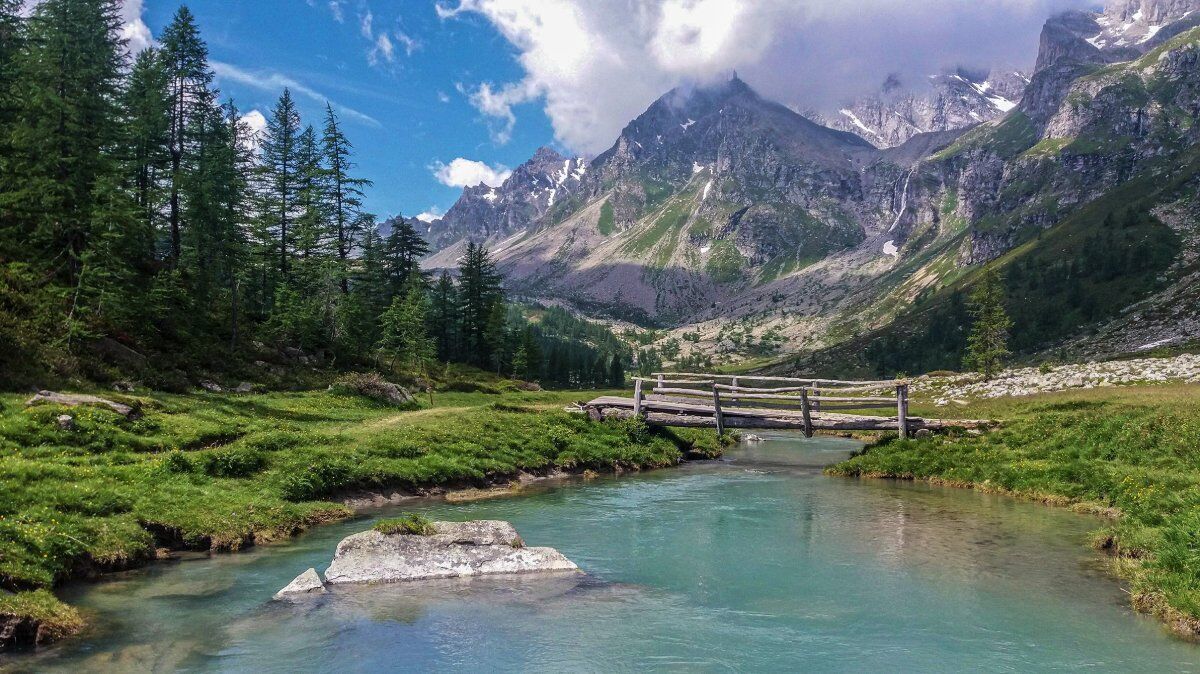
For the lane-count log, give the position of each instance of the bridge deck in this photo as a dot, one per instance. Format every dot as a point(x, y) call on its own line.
point(678, 413)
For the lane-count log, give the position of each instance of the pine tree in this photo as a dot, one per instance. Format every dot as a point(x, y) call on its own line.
point(987, 346)
point(345, 192)
point(281, 177)
point(313, 237)
point(11, 41)
point(189, 82)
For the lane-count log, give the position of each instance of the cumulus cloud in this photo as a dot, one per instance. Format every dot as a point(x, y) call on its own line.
point(469, 173)
point(594, 66)
point(430, 215)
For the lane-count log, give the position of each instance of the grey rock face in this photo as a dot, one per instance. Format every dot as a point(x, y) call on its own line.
point(77, 400)
point(458, 549)
point(307, 583)
point(955, 100)
point(533, 192)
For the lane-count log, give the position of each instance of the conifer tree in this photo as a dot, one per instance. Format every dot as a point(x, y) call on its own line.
point(345, 192)
point(987, 346)
point(404, 251)
point(443, 317)
point(479, 293)
point(189, 82)
point(146, 104)
point(281, 178)
point(64, 132)
point(404, 338)
point(11, 40)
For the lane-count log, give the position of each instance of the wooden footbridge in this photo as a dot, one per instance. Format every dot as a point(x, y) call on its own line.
point(747, 402)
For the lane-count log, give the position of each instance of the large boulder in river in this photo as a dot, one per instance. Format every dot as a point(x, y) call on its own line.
point(454, 549)
point(307, 583)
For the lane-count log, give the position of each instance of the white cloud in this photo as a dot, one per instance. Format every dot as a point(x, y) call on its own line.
point(469, 173)
point(383, 44)
point(430, 215)
point(383, 50)
point(594, 66)
point(335, 8)
point(273, 82)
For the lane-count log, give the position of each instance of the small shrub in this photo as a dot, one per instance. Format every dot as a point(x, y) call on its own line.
point(411, 524)
point(177, 462)
point(234, 463)
point(1045, 368)
point(317, 480)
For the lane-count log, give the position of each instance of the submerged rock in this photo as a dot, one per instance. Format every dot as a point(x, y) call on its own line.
point(306, 583)
point(455, 549)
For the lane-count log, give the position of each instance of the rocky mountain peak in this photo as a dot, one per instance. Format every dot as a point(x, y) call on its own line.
point(956, 99)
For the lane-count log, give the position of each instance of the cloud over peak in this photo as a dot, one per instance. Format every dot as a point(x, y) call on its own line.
point(596, 65)
point(462, 172)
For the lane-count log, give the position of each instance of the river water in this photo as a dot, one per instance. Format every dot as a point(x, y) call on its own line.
point(755, 563)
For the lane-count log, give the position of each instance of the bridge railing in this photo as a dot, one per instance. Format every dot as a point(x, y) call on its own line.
point(786, 396)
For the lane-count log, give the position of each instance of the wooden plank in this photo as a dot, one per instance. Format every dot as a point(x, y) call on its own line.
point(807, 412)
point(827, 399)
point(717, 412)
point(683, 391)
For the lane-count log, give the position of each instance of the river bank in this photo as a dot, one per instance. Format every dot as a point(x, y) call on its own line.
point(1131, 454)
point(222, 472)
point(755, 562)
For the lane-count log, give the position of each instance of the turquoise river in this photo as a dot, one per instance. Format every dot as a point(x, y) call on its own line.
point(753, 563)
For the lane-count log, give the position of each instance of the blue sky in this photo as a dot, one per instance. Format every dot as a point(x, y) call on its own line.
point(473, 86)
point(403, 115)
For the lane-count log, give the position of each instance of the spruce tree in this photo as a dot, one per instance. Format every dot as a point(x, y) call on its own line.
point(479, 293)
point(404, 251)
point(404, 339)
point(11, 40)
point(189, 82)
point(987, 346)
point(64, 133)
point(443, 317)
point(345, 193)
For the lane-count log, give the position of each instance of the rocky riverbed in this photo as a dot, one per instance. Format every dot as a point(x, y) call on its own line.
point(959, 389)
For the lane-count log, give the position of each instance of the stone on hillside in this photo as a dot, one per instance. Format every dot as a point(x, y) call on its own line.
point(375, 387)
point(455, 549)
point(77, 400)
point(211, 386)
point(244, 387)
point(306, 583)
point(66, 422)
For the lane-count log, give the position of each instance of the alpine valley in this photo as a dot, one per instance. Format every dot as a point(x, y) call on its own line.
point(735, 224)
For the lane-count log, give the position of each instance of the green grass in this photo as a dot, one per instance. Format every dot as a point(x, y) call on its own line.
point(223, 471)
point(726, 263)
point(54, 619)
point(411, 524)
point(608, 220)
point(1133, 452)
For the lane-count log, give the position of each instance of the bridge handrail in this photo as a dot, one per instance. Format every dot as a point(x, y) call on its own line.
point(797, 380)
point(810, 396)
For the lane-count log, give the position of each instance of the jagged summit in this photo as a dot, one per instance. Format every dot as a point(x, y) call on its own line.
point(957, 99)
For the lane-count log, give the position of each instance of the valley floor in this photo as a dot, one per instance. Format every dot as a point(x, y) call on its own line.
point(1131, 454)
point(221, 472)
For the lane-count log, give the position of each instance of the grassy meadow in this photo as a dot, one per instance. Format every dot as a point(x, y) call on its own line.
point(1132, 454)
point(222, 471)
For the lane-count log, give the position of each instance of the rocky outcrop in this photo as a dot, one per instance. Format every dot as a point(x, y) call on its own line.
point(77, 400)
point(455, 549)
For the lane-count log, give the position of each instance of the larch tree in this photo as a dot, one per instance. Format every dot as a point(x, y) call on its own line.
point(345, 192)
point(281, 177)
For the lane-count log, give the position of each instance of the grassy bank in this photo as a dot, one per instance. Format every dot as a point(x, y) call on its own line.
point(225, 471)
point(1133, 454)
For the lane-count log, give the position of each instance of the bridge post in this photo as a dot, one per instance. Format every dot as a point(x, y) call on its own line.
point(736, 401)
point(902, 410)
point(637, 397)
point(816, 405)
point(807, 411)
point(720, 417)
